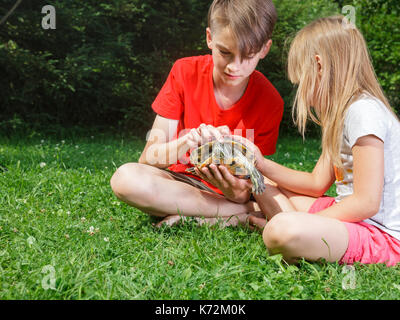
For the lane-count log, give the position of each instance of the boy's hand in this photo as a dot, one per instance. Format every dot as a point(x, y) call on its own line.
point(234, 189)
point(205, 133)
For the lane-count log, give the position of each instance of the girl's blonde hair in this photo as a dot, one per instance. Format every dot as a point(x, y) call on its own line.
point(346, 73)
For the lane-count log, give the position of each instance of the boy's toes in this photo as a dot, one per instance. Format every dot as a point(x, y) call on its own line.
point(169, 221)
point(257, 222)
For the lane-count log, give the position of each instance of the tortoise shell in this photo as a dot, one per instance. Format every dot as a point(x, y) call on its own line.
point(238, 159)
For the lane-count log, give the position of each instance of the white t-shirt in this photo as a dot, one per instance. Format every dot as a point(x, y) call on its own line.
point(369, 116)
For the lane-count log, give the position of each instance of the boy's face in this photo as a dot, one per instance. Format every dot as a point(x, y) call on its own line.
point(228, 67)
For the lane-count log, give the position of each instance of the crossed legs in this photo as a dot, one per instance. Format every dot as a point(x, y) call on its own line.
point(296, 234)
point(155, 192)
point(290, 230)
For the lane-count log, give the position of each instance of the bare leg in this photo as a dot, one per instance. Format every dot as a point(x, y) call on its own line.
point(302, 235)
point(293, 232)
point(156, 193)
point(275, 200)
point(300, 202)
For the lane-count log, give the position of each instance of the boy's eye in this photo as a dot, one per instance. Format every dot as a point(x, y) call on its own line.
point(225, 53)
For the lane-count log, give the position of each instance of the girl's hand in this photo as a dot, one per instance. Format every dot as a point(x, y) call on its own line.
point(205, 133)
point(234, 189)
point(259, 158)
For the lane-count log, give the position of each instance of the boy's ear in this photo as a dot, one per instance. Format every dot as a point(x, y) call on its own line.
point(209, 38)
point(265, 49)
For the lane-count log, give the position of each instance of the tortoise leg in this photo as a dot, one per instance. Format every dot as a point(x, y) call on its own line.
point(191, 170)
point(258, 182)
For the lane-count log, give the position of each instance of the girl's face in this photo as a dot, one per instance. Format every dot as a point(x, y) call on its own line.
point(228, 67)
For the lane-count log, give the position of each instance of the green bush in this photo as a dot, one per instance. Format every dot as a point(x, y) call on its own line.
point(379, 22)
point(107, 60)
point(103, 64)
point(292, 16)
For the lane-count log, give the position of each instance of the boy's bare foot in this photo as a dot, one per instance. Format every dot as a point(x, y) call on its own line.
point(257, 222)
point(232, 221)
point(223, 222)
point(171, 221)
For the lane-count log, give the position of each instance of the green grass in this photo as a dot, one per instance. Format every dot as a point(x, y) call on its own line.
point(59, 220)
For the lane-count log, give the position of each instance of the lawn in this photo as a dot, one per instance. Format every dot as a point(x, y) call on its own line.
point(63, 234)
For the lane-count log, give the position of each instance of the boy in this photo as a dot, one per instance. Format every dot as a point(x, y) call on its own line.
point(207, 97)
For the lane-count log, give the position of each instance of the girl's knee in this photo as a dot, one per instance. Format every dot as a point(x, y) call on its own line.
point(281, 231)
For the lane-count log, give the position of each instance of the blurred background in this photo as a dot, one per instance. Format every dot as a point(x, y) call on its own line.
point(105, 62)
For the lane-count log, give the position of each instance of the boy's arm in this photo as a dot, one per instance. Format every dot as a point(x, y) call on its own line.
point(160, 151)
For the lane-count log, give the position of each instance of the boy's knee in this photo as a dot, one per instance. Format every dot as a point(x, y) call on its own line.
point(281, 232)
point(126, 179)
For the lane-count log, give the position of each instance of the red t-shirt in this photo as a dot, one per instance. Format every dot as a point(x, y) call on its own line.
point(188, 96)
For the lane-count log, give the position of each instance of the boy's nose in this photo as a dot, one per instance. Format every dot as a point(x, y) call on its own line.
point(234, 65)
point(233, 68)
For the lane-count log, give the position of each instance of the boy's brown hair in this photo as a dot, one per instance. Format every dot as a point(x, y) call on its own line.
point(250, 21)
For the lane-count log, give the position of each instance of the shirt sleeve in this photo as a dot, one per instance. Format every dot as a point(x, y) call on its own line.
point(169, 101)
point(266, 141)
point(267, 138)
point(363, 118)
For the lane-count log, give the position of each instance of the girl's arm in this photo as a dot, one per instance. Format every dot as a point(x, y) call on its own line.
point(313, 184)
point(368, 180)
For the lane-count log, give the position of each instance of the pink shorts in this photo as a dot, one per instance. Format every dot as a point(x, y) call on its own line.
point(367, 243)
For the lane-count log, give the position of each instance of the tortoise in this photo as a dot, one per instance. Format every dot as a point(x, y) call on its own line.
point(234, 155)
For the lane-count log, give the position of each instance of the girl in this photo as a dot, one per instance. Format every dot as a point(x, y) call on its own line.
point(338, 89)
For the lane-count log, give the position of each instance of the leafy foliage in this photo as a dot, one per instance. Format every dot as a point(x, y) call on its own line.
point(106, 61)
point(379, 22)
point(292, 16)
point(103, 64)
